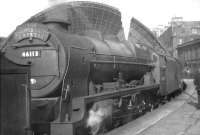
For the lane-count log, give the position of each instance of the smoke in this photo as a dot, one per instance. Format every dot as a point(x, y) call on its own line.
point(55, 2)
point(126, 16)
point(95, 120)
point(99, 112)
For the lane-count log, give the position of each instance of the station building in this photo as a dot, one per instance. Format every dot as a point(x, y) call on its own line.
point(189, 53)
point(179, 32)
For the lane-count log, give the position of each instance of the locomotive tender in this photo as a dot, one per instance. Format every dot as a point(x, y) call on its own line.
point(81, 65)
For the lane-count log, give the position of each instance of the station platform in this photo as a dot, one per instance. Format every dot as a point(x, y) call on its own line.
point(177, 117)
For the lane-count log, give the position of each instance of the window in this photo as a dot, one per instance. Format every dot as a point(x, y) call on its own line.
point(189, 54)
point(194, 31)
point(186, 55)
point(180, 41)
point(193, 54)
point(182, 56)
point(198, 56)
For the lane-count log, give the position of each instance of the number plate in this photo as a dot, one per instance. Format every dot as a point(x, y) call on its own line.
point(31, 54)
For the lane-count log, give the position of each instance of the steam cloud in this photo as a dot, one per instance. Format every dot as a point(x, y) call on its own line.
point(98, 113)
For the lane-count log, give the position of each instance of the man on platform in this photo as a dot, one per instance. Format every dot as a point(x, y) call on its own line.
point(197, 84)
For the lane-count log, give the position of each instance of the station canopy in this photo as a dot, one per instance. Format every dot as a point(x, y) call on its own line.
point(83, 16)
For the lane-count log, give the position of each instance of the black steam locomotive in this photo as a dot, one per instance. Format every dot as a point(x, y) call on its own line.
point(85, 77)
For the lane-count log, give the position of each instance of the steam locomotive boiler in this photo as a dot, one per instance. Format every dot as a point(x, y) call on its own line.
point(82, 68)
